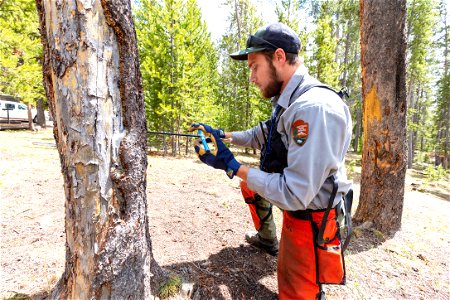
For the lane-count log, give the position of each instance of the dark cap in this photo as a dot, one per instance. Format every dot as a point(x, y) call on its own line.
point(271, 37)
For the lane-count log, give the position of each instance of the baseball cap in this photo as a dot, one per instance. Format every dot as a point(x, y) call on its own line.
point(270, 37)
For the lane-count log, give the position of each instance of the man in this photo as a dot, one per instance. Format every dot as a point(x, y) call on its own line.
point(302, 167)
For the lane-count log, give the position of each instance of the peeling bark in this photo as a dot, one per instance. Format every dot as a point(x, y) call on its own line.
point(94, 90)
point(383, 48)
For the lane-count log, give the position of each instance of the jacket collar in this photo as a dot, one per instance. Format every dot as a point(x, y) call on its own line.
point(285, 98)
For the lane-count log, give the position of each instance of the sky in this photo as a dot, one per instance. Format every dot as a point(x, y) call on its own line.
point(216, 14)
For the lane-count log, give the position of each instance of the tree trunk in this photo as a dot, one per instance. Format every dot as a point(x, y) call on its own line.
point(447, 121)
point(446, 113)
point(30, 117)
point(383, 48)
point(357, 133)
point(172, 83)
point(93, 86)
point(410, 149)
point(411, 105)
point(40, 119)
point(346, 54)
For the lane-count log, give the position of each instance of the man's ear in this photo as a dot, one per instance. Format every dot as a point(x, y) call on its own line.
point(280, 55)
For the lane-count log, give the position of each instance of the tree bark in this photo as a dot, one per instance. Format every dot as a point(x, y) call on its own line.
point(30, 118)
point(94, 90)
point(357, 131)
point(40, 117)
point(383, 48)
point(446, 113)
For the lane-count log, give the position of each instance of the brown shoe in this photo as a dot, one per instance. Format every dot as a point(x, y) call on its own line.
point(269, 246)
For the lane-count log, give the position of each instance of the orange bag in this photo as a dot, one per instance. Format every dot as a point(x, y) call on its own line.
point(330, 259)
point(303, 265)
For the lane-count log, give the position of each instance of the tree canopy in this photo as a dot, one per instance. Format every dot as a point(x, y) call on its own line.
point(20, 51)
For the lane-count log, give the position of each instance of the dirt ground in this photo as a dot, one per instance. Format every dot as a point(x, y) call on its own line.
point(197, 224)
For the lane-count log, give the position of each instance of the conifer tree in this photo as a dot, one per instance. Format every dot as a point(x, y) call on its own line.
point(178, 65)
point(442, 101)
point(324, 65)
point(241, 104)
point(348, 57)
point(20, 52)
point(421, 19)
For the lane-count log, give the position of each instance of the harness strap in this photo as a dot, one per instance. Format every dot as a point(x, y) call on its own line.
point(264, 135)
point(304, 214)
point(259, 208)
point(320, 239)
point(348, 200)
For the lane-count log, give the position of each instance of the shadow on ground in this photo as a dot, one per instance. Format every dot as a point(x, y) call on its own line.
point(232, 273)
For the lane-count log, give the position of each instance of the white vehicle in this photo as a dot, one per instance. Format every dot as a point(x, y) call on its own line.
point(18, 112)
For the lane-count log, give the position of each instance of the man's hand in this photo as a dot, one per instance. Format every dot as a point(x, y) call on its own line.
point(208, 129)
point(222, 158)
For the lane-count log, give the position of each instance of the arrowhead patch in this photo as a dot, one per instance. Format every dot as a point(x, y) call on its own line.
point(300, 131)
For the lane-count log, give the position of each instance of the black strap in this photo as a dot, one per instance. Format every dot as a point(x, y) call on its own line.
point(348, 200)
point(257, 198)
point(320, 239)
point(304, 214)
point(262, 130)
point(273, 126)
point(343, 92)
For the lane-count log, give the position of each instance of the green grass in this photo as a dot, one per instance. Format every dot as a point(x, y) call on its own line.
point(170, 287)
point(18, 296)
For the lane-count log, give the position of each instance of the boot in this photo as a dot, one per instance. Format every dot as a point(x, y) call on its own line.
point(268, 245)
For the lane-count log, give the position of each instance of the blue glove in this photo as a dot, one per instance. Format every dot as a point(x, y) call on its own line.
point(221, 158)
point(208, 129)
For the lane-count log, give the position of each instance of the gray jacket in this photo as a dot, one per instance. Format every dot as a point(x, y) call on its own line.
point(316, 129)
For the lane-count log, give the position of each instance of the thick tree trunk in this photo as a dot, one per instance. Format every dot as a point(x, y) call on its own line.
point(93, 85)
point(384, 113)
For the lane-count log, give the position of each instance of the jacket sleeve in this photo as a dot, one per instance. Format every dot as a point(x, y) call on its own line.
point(309, 162)
point(251, 138)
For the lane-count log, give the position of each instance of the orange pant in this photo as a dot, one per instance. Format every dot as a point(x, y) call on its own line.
point(249, 197)
point(302, 267)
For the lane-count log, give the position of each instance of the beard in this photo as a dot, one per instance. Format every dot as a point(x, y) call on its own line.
point(273, 88)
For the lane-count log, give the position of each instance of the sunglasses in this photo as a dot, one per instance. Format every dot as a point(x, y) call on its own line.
point(254, 41)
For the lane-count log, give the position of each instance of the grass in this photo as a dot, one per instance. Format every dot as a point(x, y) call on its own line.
point(170, 287)
point(18, 296)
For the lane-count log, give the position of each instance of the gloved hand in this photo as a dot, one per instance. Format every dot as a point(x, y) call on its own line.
point(208, 129)
point(221, 158)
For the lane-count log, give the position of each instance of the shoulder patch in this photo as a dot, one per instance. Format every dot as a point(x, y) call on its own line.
point(300, 131)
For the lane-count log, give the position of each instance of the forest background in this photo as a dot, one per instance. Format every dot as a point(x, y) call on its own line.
point(188, 76)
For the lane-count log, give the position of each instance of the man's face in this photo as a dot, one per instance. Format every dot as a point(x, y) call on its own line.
point(264, 75)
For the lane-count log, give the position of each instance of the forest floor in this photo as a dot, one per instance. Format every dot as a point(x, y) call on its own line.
point(197, 224)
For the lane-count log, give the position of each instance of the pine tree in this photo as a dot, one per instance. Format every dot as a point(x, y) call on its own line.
point(241, 105)
point(91, 75)
point(348, 57)
point(421, 19)
point(178, 65)
point(20, 51)
point(442, 101)
point(383, 46)
point(324, 65)
point(294, 13)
